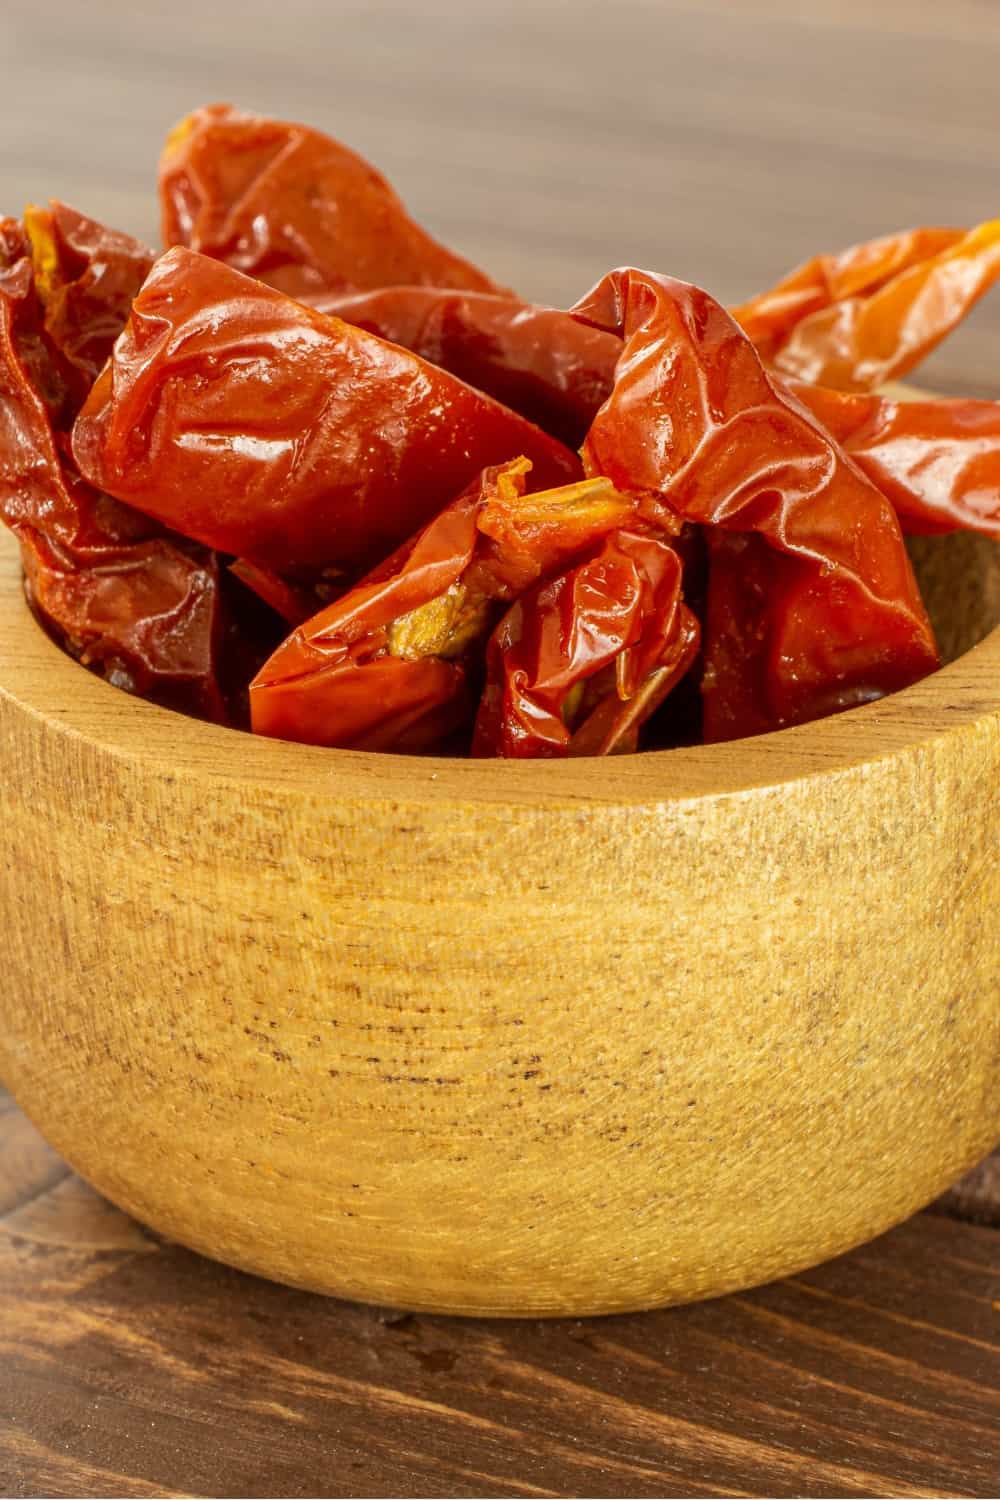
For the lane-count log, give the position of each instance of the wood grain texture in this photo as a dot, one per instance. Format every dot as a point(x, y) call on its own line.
point(133, 1368)
point(716, 139)
point(508, 1037)
point(719, 140)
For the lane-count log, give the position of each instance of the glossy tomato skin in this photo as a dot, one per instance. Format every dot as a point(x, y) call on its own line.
point(936, 461)
point(258, 426)
point(540, 361)
point(135, 604)
point(153, 416)
point(86, 277)
point(295, 208)
point(394, 662)
point(581, 660)
point(871, 313)
point(835, 618)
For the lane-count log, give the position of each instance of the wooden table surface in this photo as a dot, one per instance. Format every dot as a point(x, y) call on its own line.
point(722, 142)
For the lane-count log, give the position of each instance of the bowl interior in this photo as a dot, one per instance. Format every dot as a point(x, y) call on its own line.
point(960, 579)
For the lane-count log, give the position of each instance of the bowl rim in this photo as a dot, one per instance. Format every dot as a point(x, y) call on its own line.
point(40, 679)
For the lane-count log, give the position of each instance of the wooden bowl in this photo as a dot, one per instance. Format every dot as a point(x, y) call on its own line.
point(509, 1038)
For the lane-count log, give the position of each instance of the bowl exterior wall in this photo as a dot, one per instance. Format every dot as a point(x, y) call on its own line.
point(490, 1056)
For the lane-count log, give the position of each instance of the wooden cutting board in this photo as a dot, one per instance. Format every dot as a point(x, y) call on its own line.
point(132, 1367)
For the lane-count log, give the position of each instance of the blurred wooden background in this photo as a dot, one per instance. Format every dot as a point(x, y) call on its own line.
point(720, 140)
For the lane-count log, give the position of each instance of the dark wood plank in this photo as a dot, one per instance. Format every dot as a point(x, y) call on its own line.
point(722, 140)
point(131, 1367)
